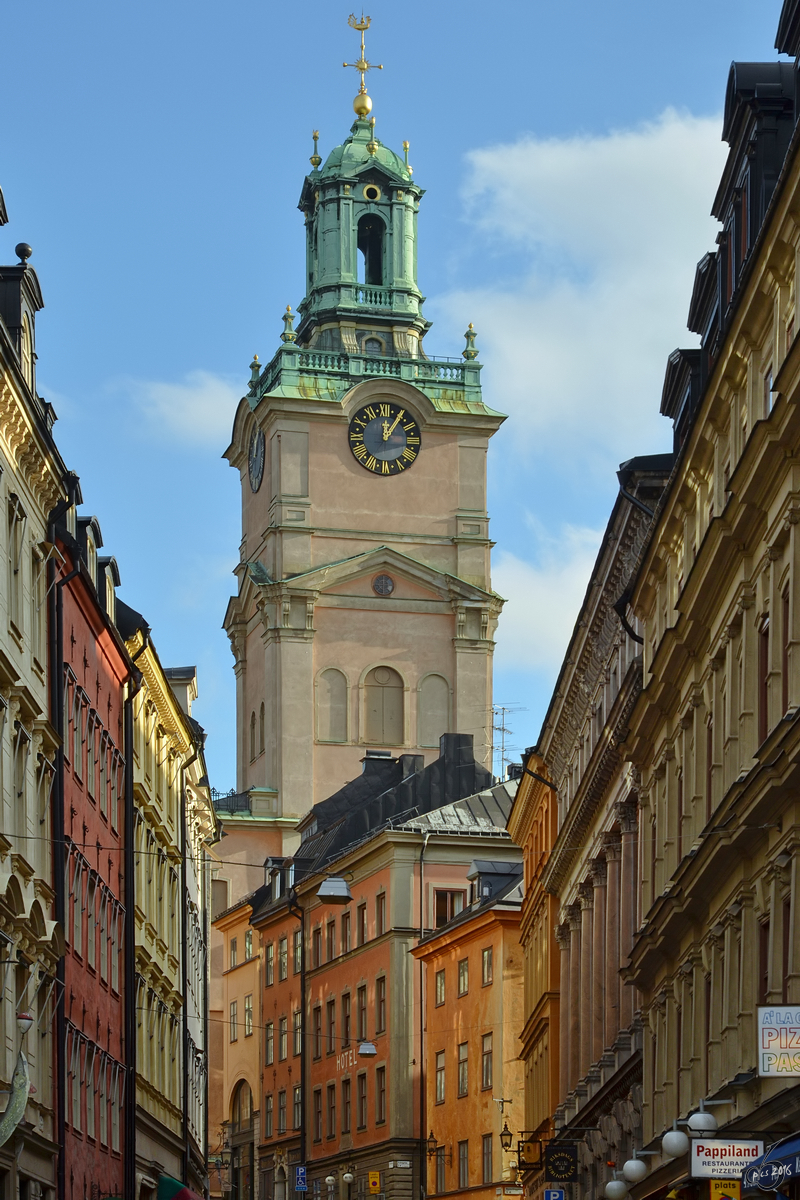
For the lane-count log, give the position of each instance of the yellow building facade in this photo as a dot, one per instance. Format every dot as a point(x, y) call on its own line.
point(174, 822)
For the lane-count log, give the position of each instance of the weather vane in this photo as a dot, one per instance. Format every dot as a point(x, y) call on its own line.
point(362, 103)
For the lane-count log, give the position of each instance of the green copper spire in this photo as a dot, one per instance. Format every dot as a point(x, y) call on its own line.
point(361, 315)
point(361, 242)
point(361, 250)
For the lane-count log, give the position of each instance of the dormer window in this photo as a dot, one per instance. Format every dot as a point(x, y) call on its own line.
point(72, 520)
point(26, 354)
point(91, 556)
point(373, 346)
point(111, 596)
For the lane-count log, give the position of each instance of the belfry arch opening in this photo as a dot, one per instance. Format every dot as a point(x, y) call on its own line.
point(371, 233)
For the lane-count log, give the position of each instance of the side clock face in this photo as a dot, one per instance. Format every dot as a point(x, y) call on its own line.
point(384, 438)
point(255, 459)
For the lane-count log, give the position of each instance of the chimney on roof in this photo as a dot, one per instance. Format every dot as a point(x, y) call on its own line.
point(183, 681)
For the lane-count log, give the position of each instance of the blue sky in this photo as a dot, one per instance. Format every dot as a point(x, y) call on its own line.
point(153, 154)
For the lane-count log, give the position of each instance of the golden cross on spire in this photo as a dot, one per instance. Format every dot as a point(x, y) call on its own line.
point(362, 103)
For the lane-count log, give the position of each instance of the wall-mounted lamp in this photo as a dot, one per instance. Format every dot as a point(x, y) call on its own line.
point(433, 1147)
point(334, 890)
point(616, 1189)
point(506, 1136)
point(634, 1170)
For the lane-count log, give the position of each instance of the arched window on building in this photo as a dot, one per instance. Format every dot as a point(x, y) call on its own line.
point(371, 230)
point(332, 706)
point(261, 729)
point(383, 707)
point(252, 736)
point(242, 1108)
point(433, 715)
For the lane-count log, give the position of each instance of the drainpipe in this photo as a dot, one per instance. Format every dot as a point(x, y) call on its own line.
point(55, 656)
point(423, 1148)
point(128, 858)
point(187, 1157)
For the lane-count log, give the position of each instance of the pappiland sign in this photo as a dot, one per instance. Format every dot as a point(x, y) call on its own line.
point(779, 1040)
point(721, 1158)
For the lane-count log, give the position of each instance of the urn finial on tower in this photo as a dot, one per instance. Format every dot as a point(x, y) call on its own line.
point(470, 353)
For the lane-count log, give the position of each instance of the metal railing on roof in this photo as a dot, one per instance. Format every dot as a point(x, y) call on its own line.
point(230, 802)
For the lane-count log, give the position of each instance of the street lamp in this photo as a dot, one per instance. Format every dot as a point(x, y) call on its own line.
point(506, 1136)
point(674, 1143)
point(24, 1022)
point(616, 1189)
point(434, 1147)
point(367, 1050)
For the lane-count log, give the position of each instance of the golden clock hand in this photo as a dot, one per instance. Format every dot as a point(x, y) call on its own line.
point(386, 435)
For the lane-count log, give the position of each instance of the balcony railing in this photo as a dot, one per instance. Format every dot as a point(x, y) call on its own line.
point(230, 802)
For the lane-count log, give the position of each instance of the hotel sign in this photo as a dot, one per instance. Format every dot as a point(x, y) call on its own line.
point(779, 1040)
point(721, 1158)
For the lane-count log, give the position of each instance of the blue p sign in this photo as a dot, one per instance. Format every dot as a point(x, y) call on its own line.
point(553, 1194)
point(300, 1184)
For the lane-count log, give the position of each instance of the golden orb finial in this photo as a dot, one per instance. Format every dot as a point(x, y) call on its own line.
point(362, 105)
point(315, 159)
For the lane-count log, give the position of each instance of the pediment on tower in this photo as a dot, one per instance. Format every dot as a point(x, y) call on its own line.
point(359, 576)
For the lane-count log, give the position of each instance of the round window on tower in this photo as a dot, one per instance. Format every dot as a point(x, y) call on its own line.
point(371, 192)
point(383, 585)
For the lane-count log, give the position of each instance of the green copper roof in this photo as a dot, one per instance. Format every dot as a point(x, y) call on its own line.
point(353, 156)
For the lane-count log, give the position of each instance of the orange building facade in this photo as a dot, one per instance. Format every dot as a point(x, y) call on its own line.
point(237, 1040)
point(533, 825)
point(474, 1082)
point(405, 854)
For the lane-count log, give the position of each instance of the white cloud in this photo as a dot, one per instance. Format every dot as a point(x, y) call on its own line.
point(542, 598)
point(199, 408)
point(605, 233)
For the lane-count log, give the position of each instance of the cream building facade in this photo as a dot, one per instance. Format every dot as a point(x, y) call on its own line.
point(31, 941)
point(715, 731)
point(365, 614)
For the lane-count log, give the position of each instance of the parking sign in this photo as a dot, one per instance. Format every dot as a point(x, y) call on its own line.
point(553, 1194)
point(300, 1184)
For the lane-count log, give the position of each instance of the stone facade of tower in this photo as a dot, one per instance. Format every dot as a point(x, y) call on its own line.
point(364, 618)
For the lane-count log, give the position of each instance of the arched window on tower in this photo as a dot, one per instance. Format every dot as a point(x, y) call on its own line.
point(332, 706)
point(371, 232)
point(383, 707)
point(261, 729)
point(252, 736)
point(433, 713)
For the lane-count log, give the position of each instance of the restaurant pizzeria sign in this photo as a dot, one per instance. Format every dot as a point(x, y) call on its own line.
point(779, 1040)
point(721, 1158)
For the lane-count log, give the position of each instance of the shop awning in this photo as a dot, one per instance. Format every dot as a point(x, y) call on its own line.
point(781, 1162)
point(173, 1189)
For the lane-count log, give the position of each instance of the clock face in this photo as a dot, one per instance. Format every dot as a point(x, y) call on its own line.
point(384, 438)
point(255, 459)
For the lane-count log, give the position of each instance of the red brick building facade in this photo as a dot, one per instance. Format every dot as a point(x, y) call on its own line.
point(94, 668)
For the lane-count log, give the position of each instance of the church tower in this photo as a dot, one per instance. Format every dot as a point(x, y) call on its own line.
point(364, 618)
